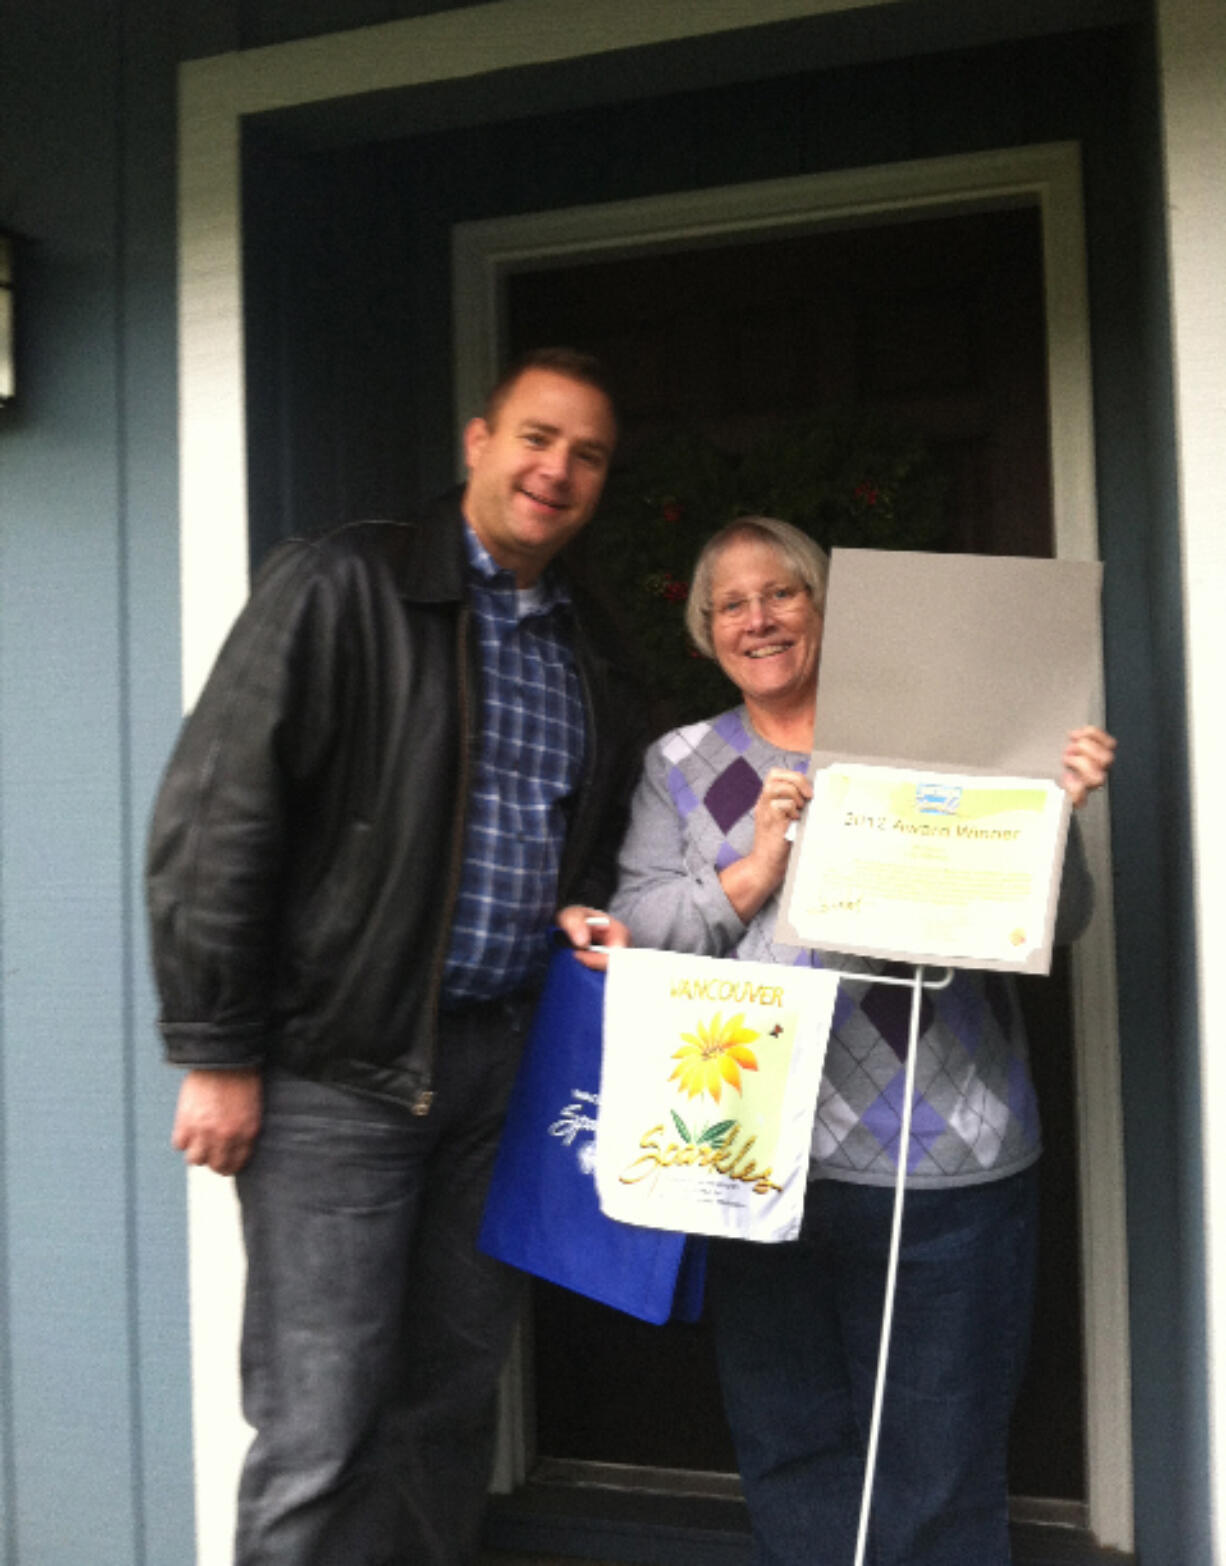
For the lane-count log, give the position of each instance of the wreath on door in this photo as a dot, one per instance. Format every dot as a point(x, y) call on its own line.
point(846, 479)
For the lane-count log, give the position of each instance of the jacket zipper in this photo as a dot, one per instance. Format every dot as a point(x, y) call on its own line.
point(423, 1098)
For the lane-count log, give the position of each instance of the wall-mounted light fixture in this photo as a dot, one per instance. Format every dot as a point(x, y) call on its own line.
point(8, 377)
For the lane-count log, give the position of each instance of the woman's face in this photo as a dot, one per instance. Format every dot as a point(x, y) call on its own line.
point(765, 628)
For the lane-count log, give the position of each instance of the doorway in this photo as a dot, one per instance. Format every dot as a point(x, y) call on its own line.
point(937, 326)
point(983, 336)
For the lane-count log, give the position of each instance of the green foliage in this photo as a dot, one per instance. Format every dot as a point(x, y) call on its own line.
point(847, 479)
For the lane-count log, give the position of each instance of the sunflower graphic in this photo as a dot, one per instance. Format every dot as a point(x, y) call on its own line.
point(715, 1055)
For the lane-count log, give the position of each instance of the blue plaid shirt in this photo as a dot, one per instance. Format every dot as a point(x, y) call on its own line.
point(530, 760)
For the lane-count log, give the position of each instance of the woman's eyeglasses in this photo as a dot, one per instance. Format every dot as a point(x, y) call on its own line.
point(780, 600)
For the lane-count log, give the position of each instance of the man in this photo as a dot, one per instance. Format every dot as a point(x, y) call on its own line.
point(409, 752)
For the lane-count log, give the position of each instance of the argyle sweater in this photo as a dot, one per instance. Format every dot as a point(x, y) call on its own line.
point(974, 1117)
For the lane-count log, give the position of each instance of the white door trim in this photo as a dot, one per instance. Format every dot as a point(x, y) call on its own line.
point(1192, 60)
point(485, 253)
point(215, 96)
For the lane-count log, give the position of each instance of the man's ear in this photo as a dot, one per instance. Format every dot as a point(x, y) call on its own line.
point(476, 435)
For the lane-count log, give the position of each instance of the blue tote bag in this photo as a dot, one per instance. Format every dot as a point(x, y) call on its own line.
point(542, 1214)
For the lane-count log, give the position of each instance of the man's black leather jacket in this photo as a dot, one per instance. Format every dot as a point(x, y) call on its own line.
point(306, 844)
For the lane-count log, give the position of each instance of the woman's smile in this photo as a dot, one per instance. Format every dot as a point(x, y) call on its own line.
point(766, 631)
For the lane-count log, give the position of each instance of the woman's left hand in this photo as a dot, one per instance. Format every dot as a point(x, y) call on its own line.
point(1086, 761)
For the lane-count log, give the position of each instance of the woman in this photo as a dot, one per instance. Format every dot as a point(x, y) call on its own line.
point(796, 1325)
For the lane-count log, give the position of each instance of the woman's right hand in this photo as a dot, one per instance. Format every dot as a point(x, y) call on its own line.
point(751, 880)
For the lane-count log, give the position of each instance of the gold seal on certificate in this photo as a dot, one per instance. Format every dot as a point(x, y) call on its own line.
point(928, 865)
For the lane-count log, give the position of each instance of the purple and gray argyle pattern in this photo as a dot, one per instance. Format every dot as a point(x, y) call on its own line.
point(975, 1116)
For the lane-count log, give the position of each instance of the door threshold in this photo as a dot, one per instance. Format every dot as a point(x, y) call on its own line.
point(621, 1515)
point(639, 1478)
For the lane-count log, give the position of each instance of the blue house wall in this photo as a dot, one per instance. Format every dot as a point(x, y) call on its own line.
point(94, 1405)
point(94, 1393)
point(95, 1437)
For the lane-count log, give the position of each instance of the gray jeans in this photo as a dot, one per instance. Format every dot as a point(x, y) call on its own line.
point(374, 1331)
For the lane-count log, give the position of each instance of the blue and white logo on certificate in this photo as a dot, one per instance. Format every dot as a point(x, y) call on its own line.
point(937, 799)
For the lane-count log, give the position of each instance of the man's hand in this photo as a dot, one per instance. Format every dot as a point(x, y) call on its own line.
point(218, 1118)
point(588, 927)
point(1086, 761)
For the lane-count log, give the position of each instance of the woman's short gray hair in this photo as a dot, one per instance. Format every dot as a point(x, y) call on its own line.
point(807, 560)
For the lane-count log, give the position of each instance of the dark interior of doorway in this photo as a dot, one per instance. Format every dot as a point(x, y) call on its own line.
point(939, 324)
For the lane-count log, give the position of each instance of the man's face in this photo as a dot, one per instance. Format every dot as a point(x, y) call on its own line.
point(535, 475)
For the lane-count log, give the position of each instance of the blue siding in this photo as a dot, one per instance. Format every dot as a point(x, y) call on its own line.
point(97, 1401)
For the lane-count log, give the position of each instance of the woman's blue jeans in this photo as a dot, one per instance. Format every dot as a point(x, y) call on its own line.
point(374, 1331)
point(796, 1330)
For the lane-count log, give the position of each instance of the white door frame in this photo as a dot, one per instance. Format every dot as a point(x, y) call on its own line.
point(486, 253)
point(216, 95)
